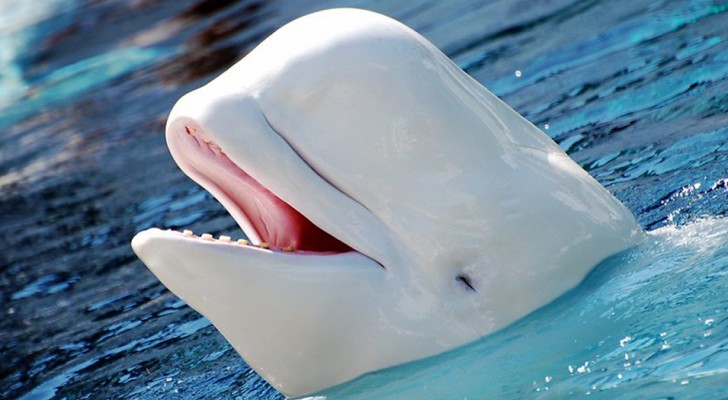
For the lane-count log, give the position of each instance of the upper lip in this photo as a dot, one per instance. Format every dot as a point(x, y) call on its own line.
point(262, 215)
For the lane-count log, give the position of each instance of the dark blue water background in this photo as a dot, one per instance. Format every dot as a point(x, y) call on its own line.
point(635, 91)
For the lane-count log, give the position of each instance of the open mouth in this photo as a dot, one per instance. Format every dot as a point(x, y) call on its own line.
point(268, 221)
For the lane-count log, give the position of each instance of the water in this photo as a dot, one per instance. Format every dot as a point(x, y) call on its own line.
point(634, 90)
point(647, 323)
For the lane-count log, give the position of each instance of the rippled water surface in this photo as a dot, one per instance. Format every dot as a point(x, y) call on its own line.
point(635, 91)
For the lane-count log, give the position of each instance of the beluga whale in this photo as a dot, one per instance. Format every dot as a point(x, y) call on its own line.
point(393, 208)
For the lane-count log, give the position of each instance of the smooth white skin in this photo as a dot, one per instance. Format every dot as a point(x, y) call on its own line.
point(368, 130)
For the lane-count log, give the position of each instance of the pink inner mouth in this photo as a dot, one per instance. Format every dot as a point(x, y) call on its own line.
point(251, 204)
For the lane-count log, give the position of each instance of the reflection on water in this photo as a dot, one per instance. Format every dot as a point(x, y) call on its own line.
point(635, 91)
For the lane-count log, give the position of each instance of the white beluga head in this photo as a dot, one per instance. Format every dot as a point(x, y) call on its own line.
point(396, 208)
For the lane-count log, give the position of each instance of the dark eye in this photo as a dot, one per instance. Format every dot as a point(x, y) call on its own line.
point(465, 280)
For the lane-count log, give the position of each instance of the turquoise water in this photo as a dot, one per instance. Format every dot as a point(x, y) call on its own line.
point(635, 92)
point(648, 323)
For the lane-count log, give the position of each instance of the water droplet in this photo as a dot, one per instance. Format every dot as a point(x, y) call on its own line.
point(547, 379)
point(518, 73)
point(546, 126)
point(582, 369)
point(624, 341)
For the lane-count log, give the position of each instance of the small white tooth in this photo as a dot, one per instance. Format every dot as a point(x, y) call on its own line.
point(188, 232)
point(207, 141)
point(243, 242)
point(226, 239)
point(264, 245)
point(206, 236)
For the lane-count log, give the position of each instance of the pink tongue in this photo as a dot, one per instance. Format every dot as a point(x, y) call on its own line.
point(277, 223)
